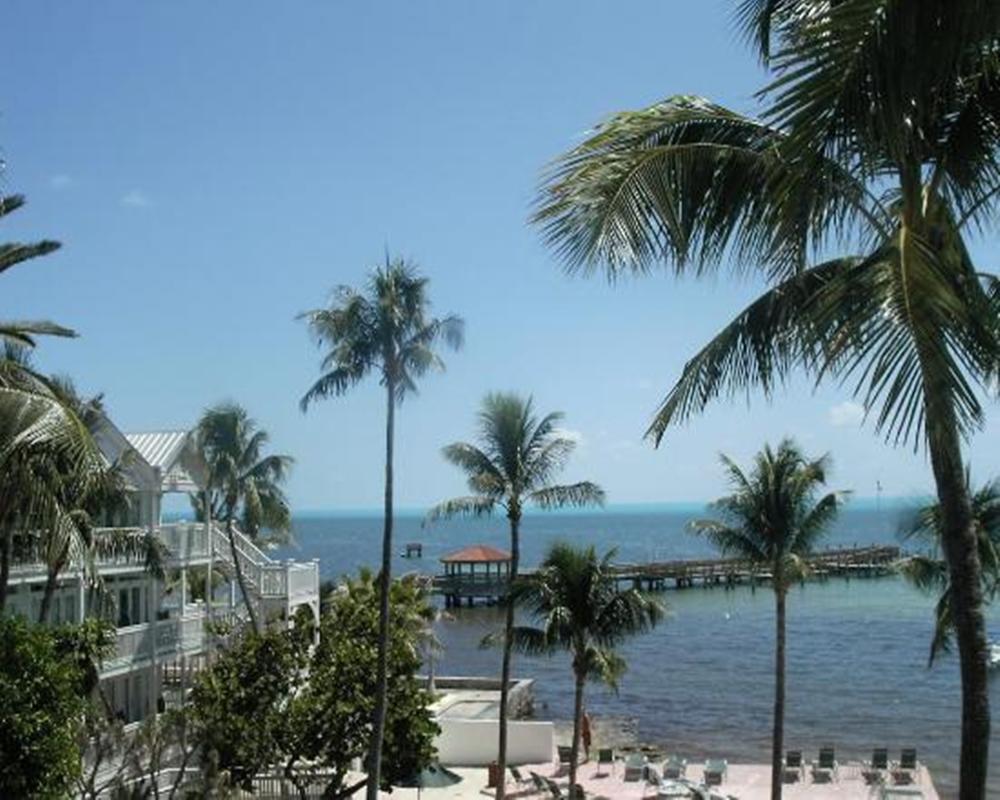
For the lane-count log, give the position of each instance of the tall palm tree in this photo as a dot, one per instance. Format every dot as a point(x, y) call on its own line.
point(243, 482)
point(388, 330)
point(772, 519)
point(930, 572)
point(574, 598)
point(513, 465)
point(861, 145)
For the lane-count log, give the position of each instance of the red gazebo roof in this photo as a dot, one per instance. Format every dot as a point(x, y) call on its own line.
point(478, 554)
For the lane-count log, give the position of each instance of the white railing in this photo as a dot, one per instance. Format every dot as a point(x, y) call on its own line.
point(266, 576)
point(303, 578)
point(186, 541)
point(173, 637)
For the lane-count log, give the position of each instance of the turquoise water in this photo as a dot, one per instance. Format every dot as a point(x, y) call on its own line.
point(702, 682)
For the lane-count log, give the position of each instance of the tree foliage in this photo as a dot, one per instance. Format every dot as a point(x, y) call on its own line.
point(275, 702)
point(773, 518)
point(580, 610)
point(332, 716)
point(929, 572)
point(245, 482)
point(238, 704)
point(877, 141)
point(46, 680)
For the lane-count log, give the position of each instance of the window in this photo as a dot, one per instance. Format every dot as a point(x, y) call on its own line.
point(137, 609)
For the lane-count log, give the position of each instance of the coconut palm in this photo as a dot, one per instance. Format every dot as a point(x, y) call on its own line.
point(386, 330)
point(243, 482)
point(930, 572)
point(513, 465)
point(579, 610)
point(772, 520)
point(861, 148)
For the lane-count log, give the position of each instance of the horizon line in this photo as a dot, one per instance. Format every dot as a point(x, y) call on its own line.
point(863, 501)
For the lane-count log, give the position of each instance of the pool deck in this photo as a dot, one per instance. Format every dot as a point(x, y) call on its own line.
point(743, 781)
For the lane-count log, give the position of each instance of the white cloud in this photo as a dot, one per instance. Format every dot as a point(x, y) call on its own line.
point(846, 414)
point(60, 181)
point(135, 199)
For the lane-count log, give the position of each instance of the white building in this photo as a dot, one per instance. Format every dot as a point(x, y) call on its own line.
point(162, 633)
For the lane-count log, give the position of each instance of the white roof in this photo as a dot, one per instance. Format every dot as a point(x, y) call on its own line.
point(159, 449)
point(172, 455)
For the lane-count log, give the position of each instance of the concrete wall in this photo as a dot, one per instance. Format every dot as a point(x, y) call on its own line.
point(520, 698)
point(473, 742)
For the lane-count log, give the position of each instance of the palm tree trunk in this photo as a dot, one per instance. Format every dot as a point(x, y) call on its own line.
point(577, 725)
point(778, 737)
point(381, 686)
point(240, 578)
point(50, 589)
point(960, 550)
point(515, 546)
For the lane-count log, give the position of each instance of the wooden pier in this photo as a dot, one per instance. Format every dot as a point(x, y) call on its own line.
point(861, 562)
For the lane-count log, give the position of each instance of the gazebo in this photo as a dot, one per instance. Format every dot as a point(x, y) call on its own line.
point(475, 571)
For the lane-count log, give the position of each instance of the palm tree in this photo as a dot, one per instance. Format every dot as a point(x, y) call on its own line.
point(12, 253)
point(387, 330)
point(513, 465)
point(580, 610)
point(772, 520)
point(36, 430)
point(242, 482)
point(861, 146)
point(930, 573)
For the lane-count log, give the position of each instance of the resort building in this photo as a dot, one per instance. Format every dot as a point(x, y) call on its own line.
point(163, 627)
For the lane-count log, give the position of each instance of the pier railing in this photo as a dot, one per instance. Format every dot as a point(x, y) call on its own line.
point(866, 561)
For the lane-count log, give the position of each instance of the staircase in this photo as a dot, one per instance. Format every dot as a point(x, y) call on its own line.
point(278, 584)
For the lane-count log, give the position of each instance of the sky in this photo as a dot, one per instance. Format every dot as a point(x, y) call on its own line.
point(214, 169)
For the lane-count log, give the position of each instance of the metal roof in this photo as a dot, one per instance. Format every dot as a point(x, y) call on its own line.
point(159, 449)
point(477, 553)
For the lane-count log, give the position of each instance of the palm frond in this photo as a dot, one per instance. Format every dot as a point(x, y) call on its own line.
point(688, 181)
point(473, 506)
point(757, 350)
point(584, 493)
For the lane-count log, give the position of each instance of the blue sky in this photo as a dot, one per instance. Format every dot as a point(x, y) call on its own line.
point(214, 169)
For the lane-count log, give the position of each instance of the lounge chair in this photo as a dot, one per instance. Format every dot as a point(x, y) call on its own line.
point(874, 771)
point(605, 755)
point(519, 779)
point(674, 767)
point(635, 767)
point(825, 769)
point(666, 789)
point(539, 782)
point(557, 794)
point(715, 771)
point(793, 769)
point(565, 755)
point(904, 772)
point(900, 793)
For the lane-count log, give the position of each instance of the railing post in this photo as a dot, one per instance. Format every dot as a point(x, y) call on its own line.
point(210, 541)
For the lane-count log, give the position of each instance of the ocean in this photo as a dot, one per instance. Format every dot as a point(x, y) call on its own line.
point(701, 684)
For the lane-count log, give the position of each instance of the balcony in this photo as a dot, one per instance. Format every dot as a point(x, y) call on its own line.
point(174, 637)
